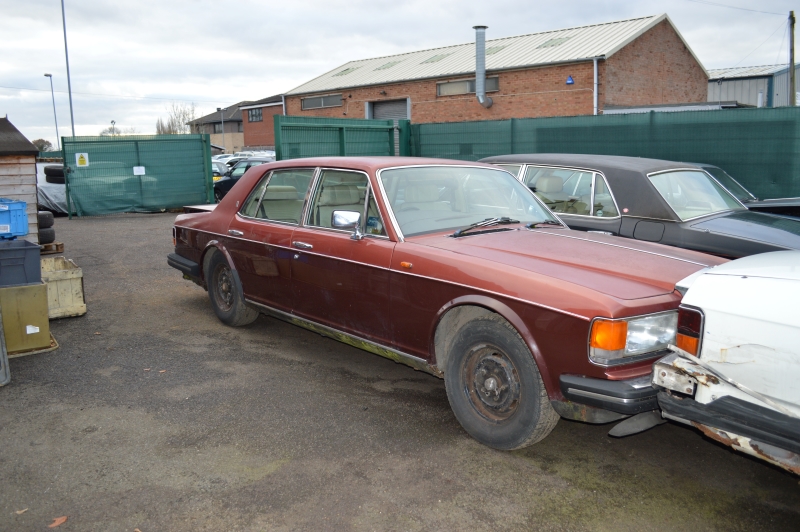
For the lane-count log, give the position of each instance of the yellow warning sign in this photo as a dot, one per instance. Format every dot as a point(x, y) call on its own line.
point(82, 160)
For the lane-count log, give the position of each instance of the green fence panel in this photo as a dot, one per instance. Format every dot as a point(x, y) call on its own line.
point(759, 147)
point(107, 175)
point(300, 136)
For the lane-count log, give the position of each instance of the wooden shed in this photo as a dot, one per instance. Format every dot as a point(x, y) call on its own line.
point(18, 173)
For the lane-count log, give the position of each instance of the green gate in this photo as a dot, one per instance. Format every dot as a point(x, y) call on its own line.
point(106, 175)
point(759, 147)
point(301, 136)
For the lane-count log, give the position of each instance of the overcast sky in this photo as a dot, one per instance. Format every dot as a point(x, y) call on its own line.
point(129, 60)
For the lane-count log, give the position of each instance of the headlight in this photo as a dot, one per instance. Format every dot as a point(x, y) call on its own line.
point(620, 341)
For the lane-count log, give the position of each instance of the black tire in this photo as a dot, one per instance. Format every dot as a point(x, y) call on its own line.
point(495, 388)
point(218, 196)
point(225, 293)
point(54, 170)
point(47, 235)
point(46, 220)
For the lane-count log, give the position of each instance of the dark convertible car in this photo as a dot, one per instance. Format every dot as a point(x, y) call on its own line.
point(678, 204)
point(453, 268)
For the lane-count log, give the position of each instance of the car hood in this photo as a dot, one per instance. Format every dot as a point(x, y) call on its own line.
point(617, 267)
point(774, 265)
point(762, 227)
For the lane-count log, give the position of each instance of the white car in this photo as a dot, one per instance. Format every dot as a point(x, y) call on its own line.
point(735, 371)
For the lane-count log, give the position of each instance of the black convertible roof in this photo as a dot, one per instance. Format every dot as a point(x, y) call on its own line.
point(627, 177)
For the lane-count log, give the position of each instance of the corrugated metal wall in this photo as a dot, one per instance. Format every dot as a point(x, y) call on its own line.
point(781, 87)
point(741, 90)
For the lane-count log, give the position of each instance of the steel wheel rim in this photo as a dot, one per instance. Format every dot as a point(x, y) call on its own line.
point(224, 288)
point(491, 383)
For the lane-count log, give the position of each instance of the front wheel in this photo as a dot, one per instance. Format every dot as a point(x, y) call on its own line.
point(217, 196)
point(225, 294)
point(495, 388)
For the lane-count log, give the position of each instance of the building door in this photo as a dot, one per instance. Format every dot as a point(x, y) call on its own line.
point(390, 110)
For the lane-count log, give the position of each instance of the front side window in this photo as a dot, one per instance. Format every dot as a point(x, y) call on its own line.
point(279, 196)
point(318, 102)
point(428, 199)
point(254, 115)
point(338, 190)
point(692, 193)
point(513, 168)
point(733, 186)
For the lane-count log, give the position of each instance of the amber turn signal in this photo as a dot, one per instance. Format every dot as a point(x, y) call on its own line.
point(609, 335)
point(406, 265)
point(687, 343)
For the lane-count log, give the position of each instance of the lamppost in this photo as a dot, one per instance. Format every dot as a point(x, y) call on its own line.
point(66, 56)
point(222, 114)
point(112, 127)
point(55, 116)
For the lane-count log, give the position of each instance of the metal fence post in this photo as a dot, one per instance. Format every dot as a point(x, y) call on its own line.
point(278, 137)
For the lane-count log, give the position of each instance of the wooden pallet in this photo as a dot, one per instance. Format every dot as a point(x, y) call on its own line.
point(49, 249)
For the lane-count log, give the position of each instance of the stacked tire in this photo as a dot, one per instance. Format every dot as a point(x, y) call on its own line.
point(47, 233)
point(54, 174)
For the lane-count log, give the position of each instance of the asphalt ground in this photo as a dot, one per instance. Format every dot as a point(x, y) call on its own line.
point(154, 415)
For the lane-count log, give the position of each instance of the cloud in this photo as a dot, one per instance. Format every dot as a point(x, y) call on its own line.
point(147, 53)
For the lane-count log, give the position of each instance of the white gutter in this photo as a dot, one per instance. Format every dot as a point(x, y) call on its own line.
point(595, 86)
point(283, 103)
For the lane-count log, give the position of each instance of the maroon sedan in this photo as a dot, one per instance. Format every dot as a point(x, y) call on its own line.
point(453, 268)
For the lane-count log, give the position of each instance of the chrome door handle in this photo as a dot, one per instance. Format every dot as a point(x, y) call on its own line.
point(234, 232)
point(302, 245)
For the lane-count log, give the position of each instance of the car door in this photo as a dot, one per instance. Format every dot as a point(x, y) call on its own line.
point(260, 236)
point(581, 198)
point(339, 281)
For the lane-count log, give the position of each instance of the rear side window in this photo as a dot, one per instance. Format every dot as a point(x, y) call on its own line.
point(604, 206)
point(562, 190)
point(279, 196)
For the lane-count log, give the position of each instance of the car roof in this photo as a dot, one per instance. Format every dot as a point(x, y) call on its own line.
point(627, 177)
point(372, 164)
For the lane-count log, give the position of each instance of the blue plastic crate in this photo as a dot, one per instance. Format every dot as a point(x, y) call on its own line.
point(13, 218)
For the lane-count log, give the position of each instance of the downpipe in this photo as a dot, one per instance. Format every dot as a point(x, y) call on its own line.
point(480, 66)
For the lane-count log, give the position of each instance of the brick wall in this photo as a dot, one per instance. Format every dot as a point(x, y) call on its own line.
point(655, 68)
point(261, 133)
point(523, 93)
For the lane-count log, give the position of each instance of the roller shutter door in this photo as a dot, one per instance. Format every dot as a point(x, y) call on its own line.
point(390, 110)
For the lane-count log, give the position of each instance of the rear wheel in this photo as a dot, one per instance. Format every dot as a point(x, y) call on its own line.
point(495, 388)
point(225, 293)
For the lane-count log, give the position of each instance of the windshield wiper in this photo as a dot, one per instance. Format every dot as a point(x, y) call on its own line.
point(533, 225)
point(485, 223)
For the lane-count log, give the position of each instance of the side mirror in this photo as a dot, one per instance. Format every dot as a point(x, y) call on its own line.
point(347, 220)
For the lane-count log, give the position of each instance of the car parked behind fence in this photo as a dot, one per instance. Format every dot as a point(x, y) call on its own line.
point(678, 204)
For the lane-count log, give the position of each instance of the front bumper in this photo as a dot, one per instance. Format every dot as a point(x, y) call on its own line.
point(743, 425)
point(627, 397)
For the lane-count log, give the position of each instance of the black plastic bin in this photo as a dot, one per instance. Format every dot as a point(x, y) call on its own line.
point(19, 263)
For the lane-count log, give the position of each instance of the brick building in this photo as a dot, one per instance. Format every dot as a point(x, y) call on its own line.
point(228, 120)
point(576, 71)
point(259, 126)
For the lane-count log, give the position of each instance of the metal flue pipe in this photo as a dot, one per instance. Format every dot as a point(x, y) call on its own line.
point(480, 66)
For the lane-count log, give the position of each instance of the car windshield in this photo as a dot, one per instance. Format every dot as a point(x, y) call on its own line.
point(733, 186)
point(692, 193)
point(427, 199)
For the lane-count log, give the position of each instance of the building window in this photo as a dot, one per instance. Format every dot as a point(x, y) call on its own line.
point(465, 86)
point(218, 128)
point(241, 127)
point(317, 102)
point(254, 115)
